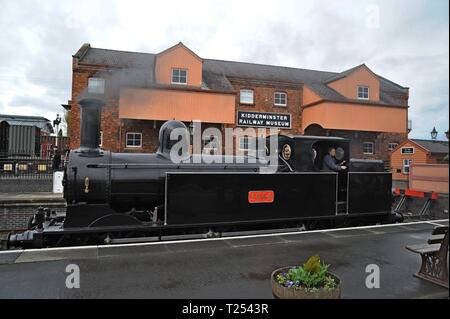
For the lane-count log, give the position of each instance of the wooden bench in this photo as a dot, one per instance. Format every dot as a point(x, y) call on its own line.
point(434, 257)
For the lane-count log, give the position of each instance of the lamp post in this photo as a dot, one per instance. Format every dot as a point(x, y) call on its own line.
point(56, 123)
point(434, 134)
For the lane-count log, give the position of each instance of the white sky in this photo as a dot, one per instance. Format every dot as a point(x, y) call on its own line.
point(405, 41)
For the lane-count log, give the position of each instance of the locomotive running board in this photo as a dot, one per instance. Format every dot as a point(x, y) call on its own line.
point(205, 236)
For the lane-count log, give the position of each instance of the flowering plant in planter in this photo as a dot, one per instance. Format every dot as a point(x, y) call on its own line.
point(312, 280)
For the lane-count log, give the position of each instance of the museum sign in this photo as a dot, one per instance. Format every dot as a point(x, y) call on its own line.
point(259, 119)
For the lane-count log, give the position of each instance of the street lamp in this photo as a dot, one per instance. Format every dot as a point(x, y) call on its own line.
point(56, 123)
point(434, 134)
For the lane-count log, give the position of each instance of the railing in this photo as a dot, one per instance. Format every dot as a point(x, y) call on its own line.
point(26, 167)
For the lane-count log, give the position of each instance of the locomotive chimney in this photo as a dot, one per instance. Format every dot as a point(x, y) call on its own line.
point(91, 112)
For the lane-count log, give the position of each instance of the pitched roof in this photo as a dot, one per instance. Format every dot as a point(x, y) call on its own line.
point(23, 120)
point(181, 44)
point(438, 147)
point(216, 73)
point(344, 73)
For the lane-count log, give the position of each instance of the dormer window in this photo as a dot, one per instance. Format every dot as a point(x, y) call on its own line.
point(363, 92)
point(179, 76)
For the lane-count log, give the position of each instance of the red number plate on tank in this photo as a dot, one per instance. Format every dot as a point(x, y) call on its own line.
point(261, 197)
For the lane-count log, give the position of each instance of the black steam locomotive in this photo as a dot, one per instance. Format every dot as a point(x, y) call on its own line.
point(120, 197)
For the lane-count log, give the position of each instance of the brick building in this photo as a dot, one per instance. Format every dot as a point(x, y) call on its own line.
point(143, 90)
point(417, 151)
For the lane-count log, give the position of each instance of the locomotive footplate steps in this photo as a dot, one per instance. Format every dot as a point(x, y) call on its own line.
point(238, 267)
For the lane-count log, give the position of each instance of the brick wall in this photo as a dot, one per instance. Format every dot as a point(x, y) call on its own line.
point(15, 216)
point(110, 122)
point(263, 97)
point(150, 133)
point(381, 141)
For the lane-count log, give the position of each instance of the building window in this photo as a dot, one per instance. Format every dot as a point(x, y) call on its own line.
point(363, 92)
point(134, 140)
point(210, 144)
point(280, 99)
point(407, 150)
point(179, 76)
point(244, 143)
point(246, 96)
point(368, 148)
point(406, 164)
point(392, 146)
point(101, 139)
point(96, 85)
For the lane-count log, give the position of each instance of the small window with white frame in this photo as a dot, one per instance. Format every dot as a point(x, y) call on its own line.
point(246, 96)
point(392, 146)
point(280, 98)
point(179, 76)
point(210, 143)
point(245, 143)
point(407, 150)
point(96, 85)
point(406, 165)
point(134, 139)
point(368, 148)
point(363, 92)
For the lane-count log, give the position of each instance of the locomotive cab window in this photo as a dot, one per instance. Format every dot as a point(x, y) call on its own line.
point(320, 149)
point(134, 140)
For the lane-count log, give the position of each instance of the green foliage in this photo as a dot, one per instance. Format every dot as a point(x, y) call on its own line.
point(313, 264)
point(311, 276)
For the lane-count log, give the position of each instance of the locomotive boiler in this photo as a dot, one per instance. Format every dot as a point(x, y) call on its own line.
point(118, 197)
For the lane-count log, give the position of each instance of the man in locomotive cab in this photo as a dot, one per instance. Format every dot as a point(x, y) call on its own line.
point(330, 163)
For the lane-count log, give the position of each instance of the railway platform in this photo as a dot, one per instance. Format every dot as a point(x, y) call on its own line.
point(227, 267)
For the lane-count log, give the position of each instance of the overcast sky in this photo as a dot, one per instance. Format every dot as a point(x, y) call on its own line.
point(405, 41)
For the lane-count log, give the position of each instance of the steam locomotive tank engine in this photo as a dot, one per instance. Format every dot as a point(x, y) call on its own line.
point(120, 194)
point(100, 184)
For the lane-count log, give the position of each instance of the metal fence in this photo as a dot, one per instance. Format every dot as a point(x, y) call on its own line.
point(26, 167)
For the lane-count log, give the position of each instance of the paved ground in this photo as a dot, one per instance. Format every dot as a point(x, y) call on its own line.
point(230, 268)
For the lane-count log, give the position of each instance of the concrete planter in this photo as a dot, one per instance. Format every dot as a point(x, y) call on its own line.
point(281, 292)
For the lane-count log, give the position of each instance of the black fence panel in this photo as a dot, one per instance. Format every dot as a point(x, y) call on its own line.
point(26, 167)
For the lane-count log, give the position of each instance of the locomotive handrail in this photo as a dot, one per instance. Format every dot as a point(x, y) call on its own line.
point(183, 165)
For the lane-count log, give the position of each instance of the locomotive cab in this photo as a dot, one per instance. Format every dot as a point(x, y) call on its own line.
point(306, 153)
